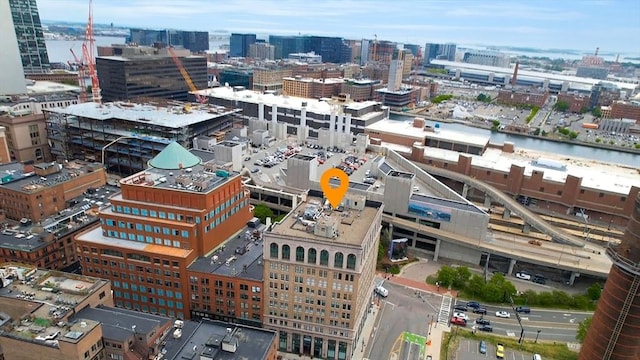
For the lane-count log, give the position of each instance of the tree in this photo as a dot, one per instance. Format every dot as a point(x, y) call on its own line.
point(561, 106)
point(262, 212)
point(385, 240)
point(446, 275)
point(583, 327)
point(596, 112)
point(476, 285)
point(462, 277)
point(484, 98)
point(594, 291)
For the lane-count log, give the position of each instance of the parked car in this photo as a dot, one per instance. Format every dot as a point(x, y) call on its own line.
point(380, 290)
point(523, 309)
point(460, 307)
point(503, 314)
point(473, 304)
point(523, 275)
point(486, 328)
point(483, 321)
point(254, 170)
point(481, 311)
point(482, 348)
point(500, 351)
point(458, 321)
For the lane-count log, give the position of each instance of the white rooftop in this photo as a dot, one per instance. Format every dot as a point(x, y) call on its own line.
point(291, 102)
point(170, 116)
point(595, 175)
point(405, 128)
point(46, 87)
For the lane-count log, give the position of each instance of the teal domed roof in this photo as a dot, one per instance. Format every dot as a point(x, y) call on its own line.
point(174, 157)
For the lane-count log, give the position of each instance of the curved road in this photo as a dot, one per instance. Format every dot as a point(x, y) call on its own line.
point(527, 215)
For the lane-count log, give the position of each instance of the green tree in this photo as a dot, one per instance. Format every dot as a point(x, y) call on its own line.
point(598, 140)
point(580, 302)
point(583, 327)
point(385, 240)
point(262, 212)
point(561, 106)
point(476, 285)
point(594, 291)
point(484, 98)
point(440, 98)
point(596, 112)
point(573, 134)
point(446, 275)
point(462, 277)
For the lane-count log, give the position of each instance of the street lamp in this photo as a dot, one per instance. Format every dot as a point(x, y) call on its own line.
point(538, 334)
point(113, 142)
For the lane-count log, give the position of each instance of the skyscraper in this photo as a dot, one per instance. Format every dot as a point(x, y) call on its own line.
point(239, 44)
point(195, 41)
point(28, 31)
point(395, 72)
point(12, 76)
point(614, 330)
point(440, 52)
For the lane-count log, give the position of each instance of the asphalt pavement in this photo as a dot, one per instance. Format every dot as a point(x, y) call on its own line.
point(469, 350)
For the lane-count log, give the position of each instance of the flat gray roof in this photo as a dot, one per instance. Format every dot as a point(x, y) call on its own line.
point(117, 323)
point(253, 343)
point(169, 116)
point(238, 257)
point(447, 203)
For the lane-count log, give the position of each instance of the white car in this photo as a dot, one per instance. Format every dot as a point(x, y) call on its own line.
point(523, 276)
point(461, 315)
point(380, 290)
point(503, 314)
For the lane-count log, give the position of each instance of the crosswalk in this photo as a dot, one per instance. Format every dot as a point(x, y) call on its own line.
point(445, 308)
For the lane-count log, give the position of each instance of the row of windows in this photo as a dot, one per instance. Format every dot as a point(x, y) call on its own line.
point(152, 309)
point(141, 238)
point(338, 258)
point(147, 290)
point(145, 227)
point(151, 300)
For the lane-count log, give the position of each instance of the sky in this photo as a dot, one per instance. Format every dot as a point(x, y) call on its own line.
point(611, 25)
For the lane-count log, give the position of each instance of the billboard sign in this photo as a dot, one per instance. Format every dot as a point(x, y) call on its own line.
point(429, 210)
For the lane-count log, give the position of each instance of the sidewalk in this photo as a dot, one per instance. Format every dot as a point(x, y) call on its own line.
point(437, 334)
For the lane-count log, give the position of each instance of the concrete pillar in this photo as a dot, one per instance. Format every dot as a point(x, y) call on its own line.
point(506, 214)
point(573, 277)
point(274, 118)
point(512, 264)
point(465, 191)
point(487, 201)
point(437, 252)
point(261, 111)
point(526, 228)
point(303, 117)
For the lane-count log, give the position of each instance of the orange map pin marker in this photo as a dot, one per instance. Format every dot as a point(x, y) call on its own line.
point(334, 194)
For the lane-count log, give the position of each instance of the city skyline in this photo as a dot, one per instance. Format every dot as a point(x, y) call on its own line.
point(612, 25)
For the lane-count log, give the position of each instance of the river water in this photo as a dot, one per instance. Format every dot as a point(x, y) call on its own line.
point(540, 145)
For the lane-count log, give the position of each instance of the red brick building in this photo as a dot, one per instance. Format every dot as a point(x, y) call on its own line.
point(625, 110)
point(166, 217)
point(576, 103)
point(522, 97)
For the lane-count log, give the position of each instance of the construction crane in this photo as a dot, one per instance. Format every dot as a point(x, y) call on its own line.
point(88, 47)
point(81, 77)
point(375, 46)
point(187, 78)
point(86, 64)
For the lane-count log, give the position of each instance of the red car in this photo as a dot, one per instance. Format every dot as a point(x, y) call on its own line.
point(458, 321)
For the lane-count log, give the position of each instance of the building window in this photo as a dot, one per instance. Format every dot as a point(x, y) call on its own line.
point(300, 254)
point(324, 258)
point(559, 192)
point(541, 188)
point(273, 250)
point(351, 262)
point(601, 195)
point(39, 154)
point(311, 256)
point(338, 259)
point(286, 252)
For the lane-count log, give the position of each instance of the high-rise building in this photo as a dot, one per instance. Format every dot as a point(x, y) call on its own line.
point(5, 156)
point(395, 72)
point(12, 74)
point(613, 333)
point(262, 51)
point(166, 216)
point(123, 78)
point(319, 266)
point(331, 49)
point(196, 41)
point(29, 34)
point(26, 137)
point(239, 44)
point(488, 58)
point(285, 45)
point(439, 52)
point(416, 51)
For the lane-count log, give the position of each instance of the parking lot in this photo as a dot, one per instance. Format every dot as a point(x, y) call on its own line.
point(469, 350)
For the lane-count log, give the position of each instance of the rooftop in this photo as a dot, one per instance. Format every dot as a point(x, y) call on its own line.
point(81, 212)
point(240, 256)
point(95, 236)
point(118, 323)
point(313, 80)
point(18, 177)
point(176, 116)
point(291, 102)
point(48, 87)
point(206, 338)
point(406, 129)
point(180, 169)
point(49, 298)
point(312, 217)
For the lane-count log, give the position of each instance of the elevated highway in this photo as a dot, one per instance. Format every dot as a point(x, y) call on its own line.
point(578, 260)
point(509, 203)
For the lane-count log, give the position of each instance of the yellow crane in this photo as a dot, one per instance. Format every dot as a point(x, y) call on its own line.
point(187, 78)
